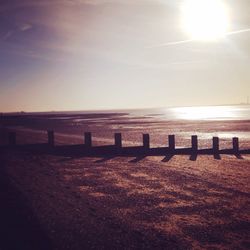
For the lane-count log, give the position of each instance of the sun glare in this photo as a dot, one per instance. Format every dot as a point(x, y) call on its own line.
point(205, 113)
point(205, 20)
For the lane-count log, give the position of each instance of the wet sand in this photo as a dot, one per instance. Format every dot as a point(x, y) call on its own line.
point(128, 203)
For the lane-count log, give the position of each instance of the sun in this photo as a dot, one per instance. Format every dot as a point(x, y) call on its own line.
point(205, 20)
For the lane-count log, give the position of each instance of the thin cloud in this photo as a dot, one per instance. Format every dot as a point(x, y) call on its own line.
point(22, 27)
point(6, 5)
point(170, 44)
point(25, 26)
point(238, 32)
point(7, 35)
point(193, 40)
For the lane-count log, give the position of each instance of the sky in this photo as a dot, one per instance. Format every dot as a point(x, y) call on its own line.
point(117, 54)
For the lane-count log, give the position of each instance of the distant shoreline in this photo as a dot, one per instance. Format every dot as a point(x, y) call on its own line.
point(118, 111)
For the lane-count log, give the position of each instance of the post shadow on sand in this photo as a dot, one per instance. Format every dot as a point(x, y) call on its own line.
point(167, 158)
point(104, 159)
point(239, 156)
point(138, 158)
point(108, 152)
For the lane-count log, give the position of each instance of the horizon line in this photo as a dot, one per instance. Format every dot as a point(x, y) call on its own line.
point(121, 109)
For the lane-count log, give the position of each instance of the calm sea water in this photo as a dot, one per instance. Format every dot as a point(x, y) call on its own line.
point(233, 112)
point(161, 121)
point(158, 122)
point(237, 112)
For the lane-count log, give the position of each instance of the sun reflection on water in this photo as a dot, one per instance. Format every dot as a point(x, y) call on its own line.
point(205, 113)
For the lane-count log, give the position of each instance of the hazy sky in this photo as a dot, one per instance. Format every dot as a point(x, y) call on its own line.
point(112, 54)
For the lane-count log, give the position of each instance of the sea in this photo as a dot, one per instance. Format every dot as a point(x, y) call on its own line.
point(225, 122)
point(226, 112)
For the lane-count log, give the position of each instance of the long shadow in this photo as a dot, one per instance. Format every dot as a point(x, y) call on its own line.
point(105, 159)
point(137, 159)
point(167, 158)
point(239, 156)
point(110, 151)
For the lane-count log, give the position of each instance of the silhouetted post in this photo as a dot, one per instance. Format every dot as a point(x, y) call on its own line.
point(215, 145)
point(171, 142)
point(145, 140)
point(118, 140)
point(51, 139)
point(88, 139)
point(236, 145)
point(194, 140)
point(12, 138)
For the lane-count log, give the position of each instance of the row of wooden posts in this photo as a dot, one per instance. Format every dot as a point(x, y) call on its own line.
point(145, 138)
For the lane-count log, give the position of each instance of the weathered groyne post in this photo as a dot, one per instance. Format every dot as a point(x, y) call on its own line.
point(146, 141)
point(118, 140)
point(236, 145)
point(194, 142)
point(12, 138)
point(215, 145)
point(171, 142)
point(51, 137)
point(88, 139)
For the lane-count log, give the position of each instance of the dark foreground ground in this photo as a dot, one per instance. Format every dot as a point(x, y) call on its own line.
point(80, 225)
point(19, 227)
point(53, 202)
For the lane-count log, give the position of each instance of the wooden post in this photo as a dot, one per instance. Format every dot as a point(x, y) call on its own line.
point(194, 140)
point(236, 145)
point(146, 143)
point(171, 142)
point(215, 145)
point(51, 139)
point(118, 140)
point(12, 138)
point(88, 139)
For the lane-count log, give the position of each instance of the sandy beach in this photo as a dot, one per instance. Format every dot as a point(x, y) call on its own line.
point(124, 202)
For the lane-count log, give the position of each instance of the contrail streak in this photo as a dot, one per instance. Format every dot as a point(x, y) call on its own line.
point(237, 32)
point(170, 43)
point(193, 40)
